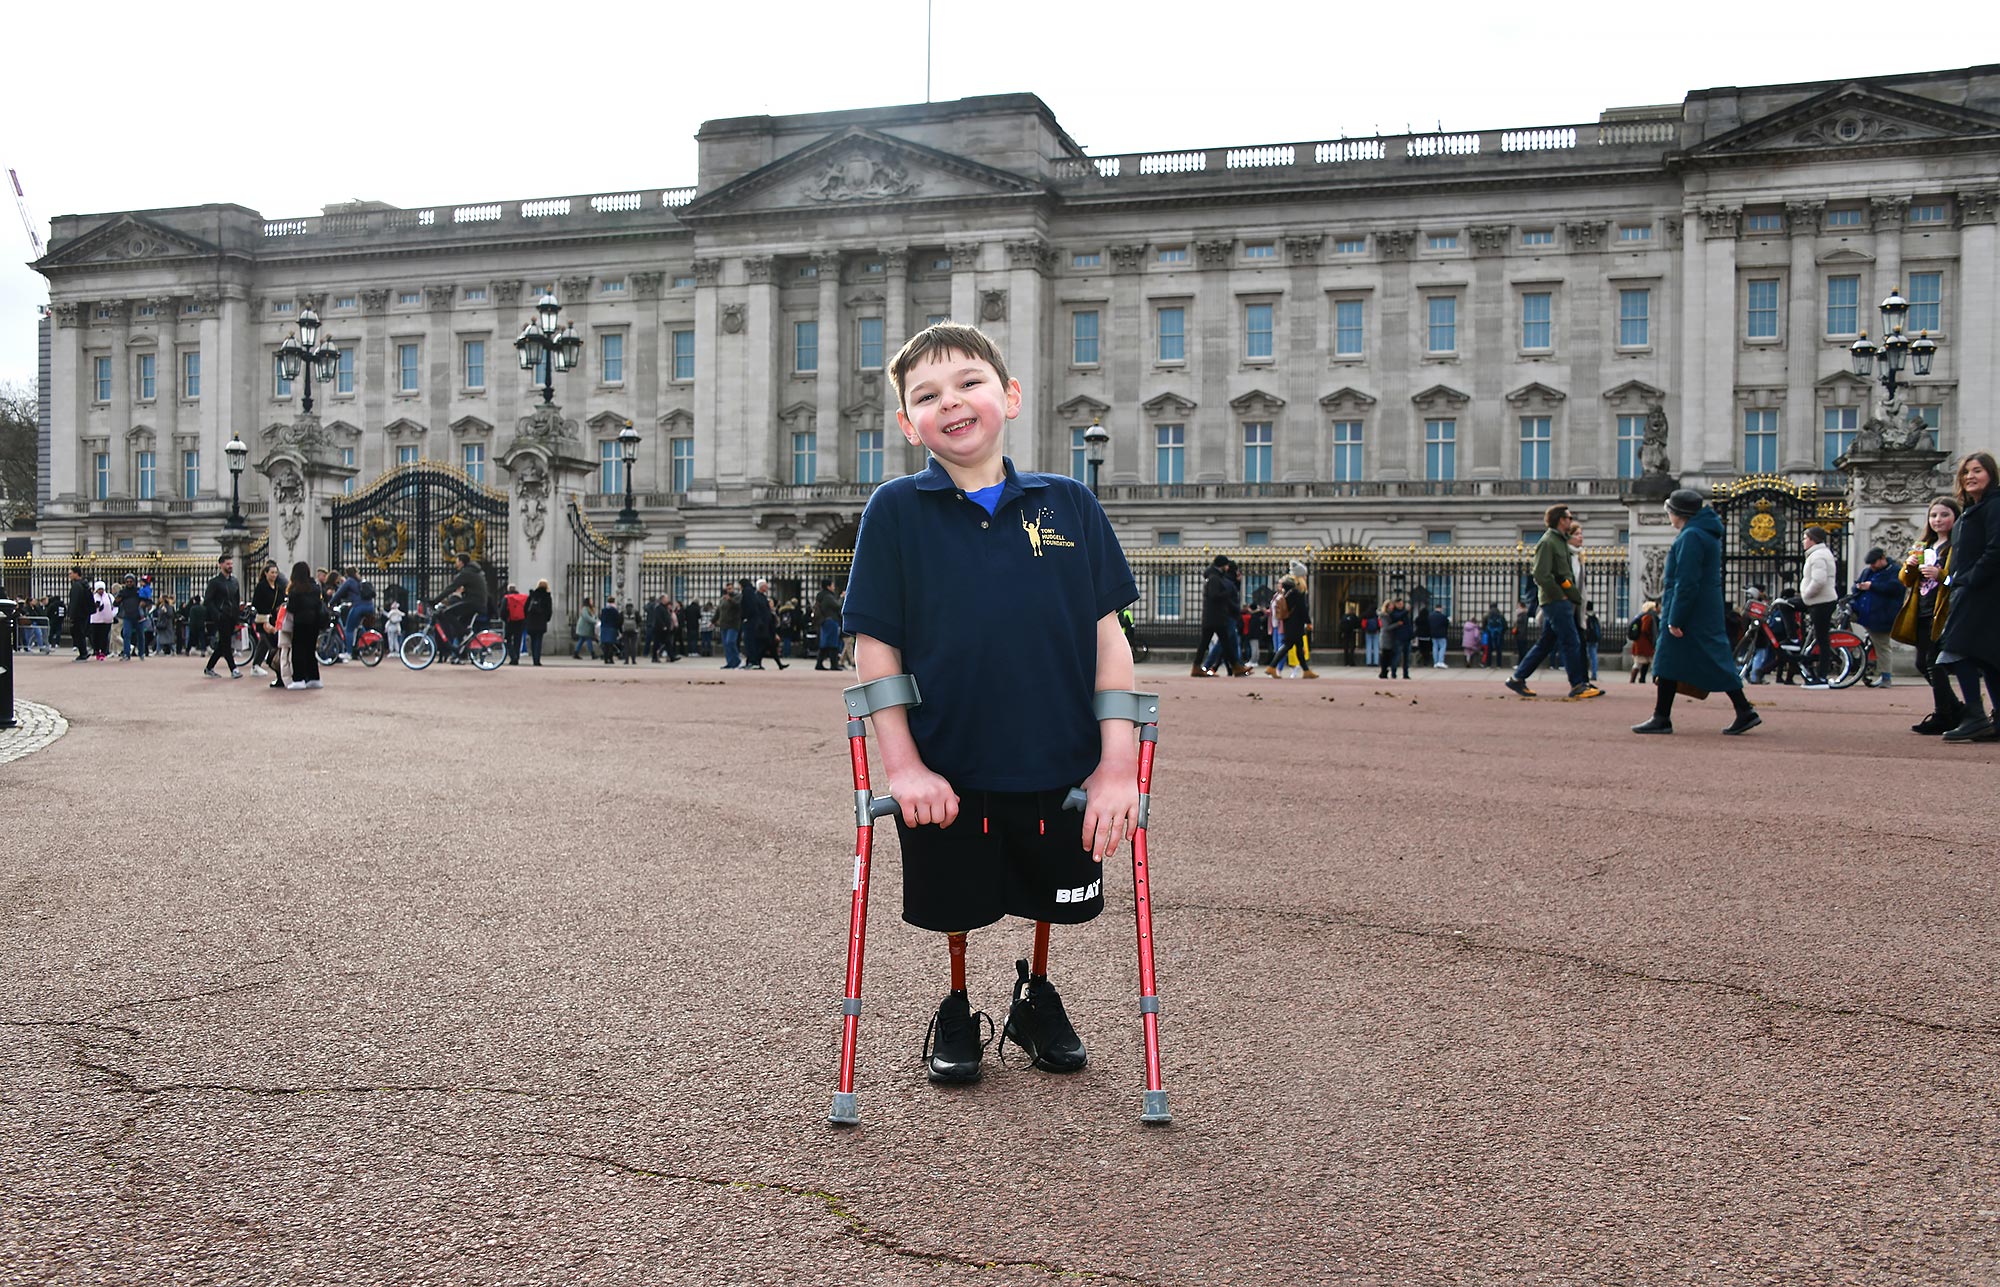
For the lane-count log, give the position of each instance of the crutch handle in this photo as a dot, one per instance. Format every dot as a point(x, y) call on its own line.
point(882, 806)
point(1076, 799)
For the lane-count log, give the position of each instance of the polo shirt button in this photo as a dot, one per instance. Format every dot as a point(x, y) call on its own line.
point(982, 522)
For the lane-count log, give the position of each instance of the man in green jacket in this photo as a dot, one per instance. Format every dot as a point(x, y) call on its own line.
point(1557, 584)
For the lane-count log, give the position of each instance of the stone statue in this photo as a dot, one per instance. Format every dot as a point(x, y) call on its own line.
point(531, 481)
point(1653, 447)
point(288, 497)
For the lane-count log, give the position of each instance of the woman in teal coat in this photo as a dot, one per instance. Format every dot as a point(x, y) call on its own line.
point(1693, 650)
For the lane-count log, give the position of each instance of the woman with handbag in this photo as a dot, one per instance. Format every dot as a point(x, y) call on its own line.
point(305, 616)
point(1922, 617)
point(1693, 651)
point(1969, 645)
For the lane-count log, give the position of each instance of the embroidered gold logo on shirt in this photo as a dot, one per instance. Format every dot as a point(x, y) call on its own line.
point(1041, 536)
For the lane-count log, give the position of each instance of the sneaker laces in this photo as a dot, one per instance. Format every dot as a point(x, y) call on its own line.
point(973, 1020)
point(1043, 1003)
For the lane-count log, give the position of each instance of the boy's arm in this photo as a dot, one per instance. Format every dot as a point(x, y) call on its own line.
point(924, 796)
point(1113, 809)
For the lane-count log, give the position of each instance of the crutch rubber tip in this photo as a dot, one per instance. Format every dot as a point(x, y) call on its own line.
point(845, 1112)
point(1156, 1113)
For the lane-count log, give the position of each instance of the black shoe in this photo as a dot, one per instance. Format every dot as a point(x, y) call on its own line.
point(1037, 1024)
point(1743, 724)
point(1978, 729)
point(1654, 725)
point(1931, 725)
point(952, 1047)
point(1520, 686)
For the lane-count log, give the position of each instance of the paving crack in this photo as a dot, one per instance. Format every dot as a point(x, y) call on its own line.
point(1460, 939)
point(836, 1205)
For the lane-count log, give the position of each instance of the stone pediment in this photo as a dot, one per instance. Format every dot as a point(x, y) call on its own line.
point(857, 167)
point(471, 427)
point(1635, 393)
point(1845, 380)
point(1535, 392)
point(1081, 406)
point(342, 429)
point(679, 420)
point(606, 422)
point(1347, 398)
point(1441, 397)
point(1850, 116)
point(127, 239)
point(1172, 404)
point(402, 425)
point(1257, 401)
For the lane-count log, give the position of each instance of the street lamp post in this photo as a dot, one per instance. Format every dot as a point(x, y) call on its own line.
point(548, 345)
point(1095, 439)
point(1885, 361)
point(628, 456)
point(307, 355)
point(237, 452)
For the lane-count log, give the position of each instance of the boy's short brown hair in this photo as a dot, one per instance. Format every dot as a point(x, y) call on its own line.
point(944, 337)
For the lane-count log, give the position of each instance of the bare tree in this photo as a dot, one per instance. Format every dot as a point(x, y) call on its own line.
point(17, 454)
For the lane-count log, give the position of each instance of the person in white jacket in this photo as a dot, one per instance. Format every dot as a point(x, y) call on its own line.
point(1817, 588)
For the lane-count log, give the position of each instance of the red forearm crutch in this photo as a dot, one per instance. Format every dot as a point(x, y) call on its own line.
point(862, 701)
point(1143, 710)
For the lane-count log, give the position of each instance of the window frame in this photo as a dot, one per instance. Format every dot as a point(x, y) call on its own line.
point(413, 372)
point(1269, 332)
point(862, 343)
point(1767, 430)
point(1441, 434)
point(805, 457)
point(870, 455)
point(1547, 322)
point(1170, 452)
point(100, 379)
point(1353, 451)
point(190, 375)
point(466, 365)
point(1161, 335)
point(675, 356)
point(1537, 446)
point(1078, 357)
point(1915, 323)
point(1853, 307)
point(146, 376)
point(1359, 304)
point(799, 351)
point(1628, 433)
point(1776, 311)
point(680, 464)
point(1264, 452)
point(1644, 320)
point(606, 378)
point(1432, 326)
point(190, 473)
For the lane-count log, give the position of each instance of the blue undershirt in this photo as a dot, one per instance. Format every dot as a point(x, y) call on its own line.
point(988, 497)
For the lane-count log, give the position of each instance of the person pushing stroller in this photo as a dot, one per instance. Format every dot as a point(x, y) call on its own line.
point(1007, 661)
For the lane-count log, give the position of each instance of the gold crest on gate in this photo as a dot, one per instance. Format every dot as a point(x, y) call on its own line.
point(1763, 526)
point(461, 535)
point(384, 542)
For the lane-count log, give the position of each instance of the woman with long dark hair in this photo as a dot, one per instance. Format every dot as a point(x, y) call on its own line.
point(1970, 644)
point(1926, 608)
point(305, 613)
point(265, 596)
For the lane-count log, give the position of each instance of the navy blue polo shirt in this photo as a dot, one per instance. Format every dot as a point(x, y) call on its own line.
point(996, 616)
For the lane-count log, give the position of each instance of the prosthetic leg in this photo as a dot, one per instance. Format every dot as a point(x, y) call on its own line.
point(862, 701)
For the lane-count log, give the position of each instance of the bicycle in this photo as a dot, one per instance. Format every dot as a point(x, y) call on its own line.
point(1848, 654)
point(485, 649)
point(369, 648)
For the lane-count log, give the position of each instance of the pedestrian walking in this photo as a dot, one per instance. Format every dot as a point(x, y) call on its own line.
point(103, 611)
point(1440, 637)
point(265, 596)
point(610, 627)
point(514, 618)
point(1819, 588)
point(77, 608)
point(826, 611)
point(1645, 632)
point(586, 631)
point(1296, 613)
point(1970, 644)
point(306, 614)
point(1926, 607)
point(1561, 595)
point(1396, 629)
point(729, 620)
point(1221, 613)
point(222, 604)
point(541, 607)
point(1371, 638)
point(1471, 639)
point(1694, 655)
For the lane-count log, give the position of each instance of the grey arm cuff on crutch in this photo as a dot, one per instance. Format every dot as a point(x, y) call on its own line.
point(862, 701)
point(1142, 709)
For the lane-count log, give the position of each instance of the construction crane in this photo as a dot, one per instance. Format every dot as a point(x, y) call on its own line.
point(27, 219)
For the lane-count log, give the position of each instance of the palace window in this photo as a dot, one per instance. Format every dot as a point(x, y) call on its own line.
point(1350, 246)
point(1838, 431)
point(1760, 442)
point(475, 294)
point(1257, 451)
point(1173, 254)
point(1349, 330)
point(343, 378)
point(610, 468)
point(1347, 451)
point(1169, 453)
point(868, 456)
point(1079, 453)
point(1538, 236)
point(868, 344)
point(611, 352)
point(1173, 334)
point(1260, 250)
point(1847, 218)
point(805, 458)
point(1088, 259)
point(1635, 318)
point(1535, 445)
point(100, 467)
point(475, 364)
point(190, 375)
point(190, 474)
point(683, 355)
point(1442, 328)
point(408, 454)
point(1537, 321)
point(148, 366)
point(1631, 438)
point(100, 379)
point(1635, 232)
point(473, 456)
point(1931, 213)
point(1257, 338)
point(1440, 450)
point(1843, 302)
point(1926, 302)
point(1443, 241)
point(1083, 337)
point(1764, 222)
point(347, 459)
point(1761, 321)
point(280, 386)
point(406, 368)
point(143, 472)
point(805, 347)
point(681, 457)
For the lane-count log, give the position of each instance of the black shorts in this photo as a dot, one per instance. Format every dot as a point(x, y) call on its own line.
point(1008, 854)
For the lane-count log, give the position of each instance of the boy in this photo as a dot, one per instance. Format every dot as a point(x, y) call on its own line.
point(1000, 592)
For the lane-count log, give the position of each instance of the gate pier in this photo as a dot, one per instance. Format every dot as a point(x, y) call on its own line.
point(546, 470)
point(303, 477)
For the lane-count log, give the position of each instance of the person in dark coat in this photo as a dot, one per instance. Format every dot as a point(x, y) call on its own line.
point(1221, 615)
point(1693, 651)
point(610, 627)
point(77, 609)
point(541, 608)
point(306, 613)
point(1970, 644)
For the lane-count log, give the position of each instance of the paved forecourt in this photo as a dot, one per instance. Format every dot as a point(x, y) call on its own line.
point(534, 977)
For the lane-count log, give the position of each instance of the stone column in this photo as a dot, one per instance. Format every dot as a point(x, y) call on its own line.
point(118, 418)
point(68, 413)
point(1123, 353)
point(1711, 451)
point(965, 283)
point(1397, 429)
point(832, 366)
point(1973, 355)
point(1308, 322)
point(727, 447)
point(546, 470)
point(1714, 351)
point(1887, 215)
point(896, 332)
point(1649, 534)
point(1797, 431)
point(1215, 351)
point(1029, 437)
point(763, 370)
point(1888, 492)
point(212, 409)
point(1487, 305)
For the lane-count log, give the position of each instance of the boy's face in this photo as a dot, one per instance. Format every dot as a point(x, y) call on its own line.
point(957, 407)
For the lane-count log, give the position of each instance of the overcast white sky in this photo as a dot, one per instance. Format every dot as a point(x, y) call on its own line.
point(417, 103)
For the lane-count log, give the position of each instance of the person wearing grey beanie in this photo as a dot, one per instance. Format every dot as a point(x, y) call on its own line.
point(1693, 653)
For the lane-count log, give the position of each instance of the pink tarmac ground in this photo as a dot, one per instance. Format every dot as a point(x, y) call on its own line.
point(533, 978)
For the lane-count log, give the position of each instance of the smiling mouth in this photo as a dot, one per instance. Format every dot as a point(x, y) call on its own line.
point(959, 426)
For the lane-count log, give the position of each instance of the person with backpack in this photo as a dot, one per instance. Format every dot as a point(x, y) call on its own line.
point(1645, 632)
point(1496, 634)
point(1593, 636)
point(1371, 638)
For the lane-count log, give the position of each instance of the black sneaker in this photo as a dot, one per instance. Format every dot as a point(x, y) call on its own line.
point(1743, 724)
point(1521, 686)
point(952, 1047)
point(1037, 1024)
point(1654, 725)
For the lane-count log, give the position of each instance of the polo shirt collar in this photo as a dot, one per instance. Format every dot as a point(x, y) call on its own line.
point(935, 479)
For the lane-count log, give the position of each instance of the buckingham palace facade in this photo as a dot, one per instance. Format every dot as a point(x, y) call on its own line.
point(1389, 340)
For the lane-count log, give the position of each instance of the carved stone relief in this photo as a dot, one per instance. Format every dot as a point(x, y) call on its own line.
point(1396, 242)
point(575, 289)
point(68, 313)
point(1978, 206)
point(1895, 536)
point(647, 285)
point(734, 316)
point(374, 300)
point(288, 498)
point(1653, 446)
point(1654, 575)
point(531, 483)
point(1214, 254)
point(757, 269)
point(1588, 234)
point(1303, 248)
point(860, 176)
point(1490, 239)
point(706, 271)
point(992, 305)
point(506, 292)
point(1125, 258)
point(440, 297)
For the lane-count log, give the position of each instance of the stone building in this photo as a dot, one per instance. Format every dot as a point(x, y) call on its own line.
point(1413, 339)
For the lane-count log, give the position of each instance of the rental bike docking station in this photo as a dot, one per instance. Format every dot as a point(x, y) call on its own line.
point(865, 700)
